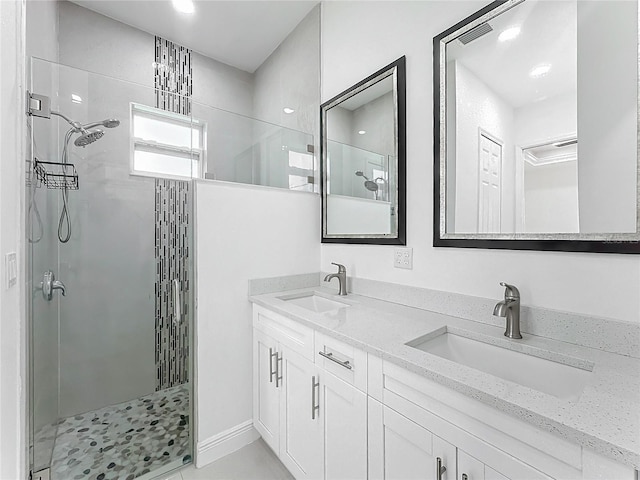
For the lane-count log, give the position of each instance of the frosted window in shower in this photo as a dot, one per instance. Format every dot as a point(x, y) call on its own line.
point(166, 144)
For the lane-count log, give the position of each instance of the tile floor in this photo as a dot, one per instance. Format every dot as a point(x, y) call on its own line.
point(256, 461)
point(124, 441)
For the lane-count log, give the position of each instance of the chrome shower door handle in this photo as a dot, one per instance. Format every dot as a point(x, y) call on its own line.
point(177, 305)
point(49, 284)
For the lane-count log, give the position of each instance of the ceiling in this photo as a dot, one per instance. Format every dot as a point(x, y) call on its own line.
point(239, 33)
point(548, 35)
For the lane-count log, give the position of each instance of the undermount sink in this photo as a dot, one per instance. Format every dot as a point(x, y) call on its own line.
point(313, 302)
point(558, 379)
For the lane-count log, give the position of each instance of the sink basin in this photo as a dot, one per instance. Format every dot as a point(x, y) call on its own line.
point(313, 302)
point(560, 380)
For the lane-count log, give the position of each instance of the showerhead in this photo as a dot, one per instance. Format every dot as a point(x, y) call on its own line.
point(108, 123)
point(88, 136)
point(368, 184)
point(372, 186)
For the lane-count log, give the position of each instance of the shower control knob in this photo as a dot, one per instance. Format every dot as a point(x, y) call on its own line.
point(49, 284)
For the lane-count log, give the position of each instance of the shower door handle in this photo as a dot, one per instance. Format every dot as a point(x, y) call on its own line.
point(49, 284)
point(177, 303)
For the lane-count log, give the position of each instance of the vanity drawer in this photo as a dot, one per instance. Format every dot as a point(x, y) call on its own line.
point(417, 397)
point(342, 360)
point(288, 332)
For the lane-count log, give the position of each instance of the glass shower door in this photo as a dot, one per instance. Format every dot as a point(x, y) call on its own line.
point(111, 270)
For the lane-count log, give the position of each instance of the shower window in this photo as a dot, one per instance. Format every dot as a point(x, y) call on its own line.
point(165, 144)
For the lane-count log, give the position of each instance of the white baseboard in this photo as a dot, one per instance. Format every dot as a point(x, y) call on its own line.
point(224, 443)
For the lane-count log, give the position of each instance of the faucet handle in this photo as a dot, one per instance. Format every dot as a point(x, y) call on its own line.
point(510, 292)
point(341, 268)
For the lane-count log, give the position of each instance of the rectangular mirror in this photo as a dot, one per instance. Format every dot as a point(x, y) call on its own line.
point(363, 160)
point(536, 132)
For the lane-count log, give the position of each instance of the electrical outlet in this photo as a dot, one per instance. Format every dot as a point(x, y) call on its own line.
point(403, 257)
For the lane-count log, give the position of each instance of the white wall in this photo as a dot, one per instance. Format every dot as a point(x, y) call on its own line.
point(608, 115)
point(551, 197)
point(243, 232)
point(496, 117)
point(598, 284)
point(12, 325)
point(535, 124)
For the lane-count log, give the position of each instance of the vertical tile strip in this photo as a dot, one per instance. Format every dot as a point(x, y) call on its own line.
point(173, 85)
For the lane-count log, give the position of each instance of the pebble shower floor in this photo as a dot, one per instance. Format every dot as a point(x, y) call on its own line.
point(124, 441)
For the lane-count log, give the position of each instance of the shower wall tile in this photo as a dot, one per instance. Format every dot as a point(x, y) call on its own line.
point(172, 259)
point(174, 88)
point(173, 77)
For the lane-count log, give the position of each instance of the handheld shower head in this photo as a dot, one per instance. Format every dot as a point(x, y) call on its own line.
point(108, 123)
point(88, 136)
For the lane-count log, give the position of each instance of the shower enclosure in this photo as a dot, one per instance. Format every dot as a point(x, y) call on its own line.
point(111, 271)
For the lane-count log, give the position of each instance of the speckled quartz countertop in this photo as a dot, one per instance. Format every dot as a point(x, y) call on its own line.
point(605, 418)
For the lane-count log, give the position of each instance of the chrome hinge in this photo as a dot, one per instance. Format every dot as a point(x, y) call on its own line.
point(38, 105)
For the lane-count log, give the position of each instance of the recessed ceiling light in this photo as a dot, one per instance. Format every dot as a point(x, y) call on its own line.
point(540, 71)
point(509, 34)
point(288, 110)
point(76, 98)
point(361, 132)
point(184, 6)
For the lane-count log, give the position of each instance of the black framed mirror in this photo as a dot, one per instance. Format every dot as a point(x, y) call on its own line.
point(536, 128)
point(363, 160)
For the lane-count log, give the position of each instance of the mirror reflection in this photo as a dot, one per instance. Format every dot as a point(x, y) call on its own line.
point(360, 160)
point(541, 121)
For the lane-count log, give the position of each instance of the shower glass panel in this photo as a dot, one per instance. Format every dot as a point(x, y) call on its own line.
point(242, 149)
point(111, 364)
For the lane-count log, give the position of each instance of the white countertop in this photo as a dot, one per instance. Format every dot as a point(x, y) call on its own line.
point(605, 418)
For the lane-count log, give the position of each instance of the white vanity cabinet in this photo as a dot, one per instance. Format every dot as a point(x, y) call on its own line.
point(331, 411)
point(313, 420)
point(403, 450)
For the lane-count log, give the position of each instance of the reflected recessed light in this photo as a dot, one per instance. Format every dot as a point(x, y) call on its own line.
point(540, 71)
point(76, 98)
point(288, 110)
point(509, 34)
point(361, 132)
point(184, 6)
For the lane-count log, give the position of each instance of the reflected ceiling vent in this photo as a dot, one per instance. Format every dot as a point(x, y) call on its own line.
point(566, 143)
point(475, 33)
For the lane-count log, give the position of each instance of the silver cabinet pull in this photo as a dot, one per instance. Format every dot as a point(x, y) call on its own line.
point(177, 306)
point(440, 469)
point(330, 356)
point(278, 369)
point(464, 476)
point(314, 407)
point(272, 372)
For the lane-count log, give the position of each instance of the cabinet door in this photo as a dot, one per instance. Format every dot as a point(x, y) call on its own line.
point(266, 395)
point(301, 417)
point(345, 430)
point(406, 449)
point(473, 468)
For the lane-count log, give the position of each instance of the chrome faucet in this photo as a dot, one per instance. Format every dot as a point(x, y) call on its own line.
point(509, 308)
point(341, 276)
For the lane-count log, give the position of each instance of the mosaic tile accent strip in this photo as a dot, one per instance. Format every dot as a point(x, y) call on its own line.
point(174, 87)
point(173, 77)
point(124, 441)
point(173, 204)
